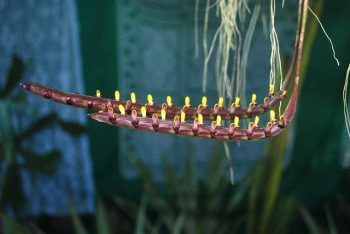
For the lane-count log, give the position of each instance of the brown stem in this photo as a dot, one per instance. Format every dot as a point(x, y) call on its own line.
point(291, 107)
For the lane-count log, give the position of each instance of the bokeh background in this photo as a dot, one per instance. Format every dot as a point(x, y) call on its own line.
point(62, 172)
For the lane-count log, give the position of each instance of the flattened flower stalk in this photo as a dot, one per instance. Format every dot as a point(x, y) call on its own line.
point(189, 120)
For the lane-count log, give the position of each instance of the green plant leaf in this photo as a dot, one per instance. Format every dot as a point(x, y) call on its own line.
point(253, 200)
point(132, 209)
point(14, 75)
point(156, 227)
point(309, 221)
point(43, 163)
point(273, 168)
point(171, 180)
point(11, 226)
point(6, 133)
point(77, 224)
point(191, 179)
point(189, 197)
point(11, 193)
point(102, 220)
point(282, 214)
point(215, 171)
point(2, 156)
point(179, 224)
point(36, 229)
point(141, 216)
point(127, 205)
point(156, 200)
point(214, 193)
point(330, 220)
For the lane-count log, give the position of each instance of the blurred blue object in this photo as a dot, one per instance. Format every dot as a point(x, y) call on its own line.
point(46, 33)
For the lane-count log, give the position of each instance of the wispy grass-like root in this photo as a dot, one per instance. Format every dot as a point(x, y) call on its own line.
point(232, 42)
point(326, 34)
point(227, 41)
point(345, 100)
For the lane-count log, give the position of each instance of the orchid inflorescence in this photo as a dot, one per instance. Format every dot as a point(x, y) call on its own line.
point(170, 119)
point(151, 117)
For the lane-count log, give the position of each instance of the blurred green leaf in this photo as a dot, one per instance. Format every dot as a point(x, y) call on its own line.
point(215, 206)
point(11, 226)
point(141, 216)
point(156, 227)
point(156, 200)
point(253, 199)
point(213, 194)
point(2, 156)
point(330, 220)
point(14, 75)
point(132, 211)
point(37, 230)
point(171, 180)
point(192, 208)
point(283, 212)
point(191, 180)
point(215, 171)
point(309, 221)
point(102, 219)
point(11, 193)
point(128, 206)
point(240, 191)
point(77, 224)
point(43, 163)
point(273, 168)
point(6, 133)
point(188, 196)
point(179, 224)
